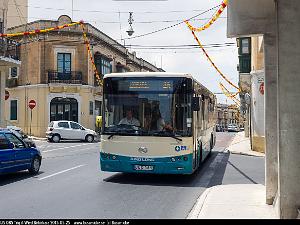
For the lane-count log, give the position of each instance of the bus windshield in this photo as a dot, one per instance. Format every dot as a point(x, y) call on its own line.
point(148, 106)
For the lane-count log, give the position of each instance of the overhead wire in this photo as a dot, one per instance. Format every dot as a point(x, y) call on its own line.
point(171, 26)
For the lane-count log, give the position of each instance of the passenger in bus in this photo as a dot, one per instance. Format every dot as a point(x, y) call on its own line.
point(129, 119)
point(158, 123)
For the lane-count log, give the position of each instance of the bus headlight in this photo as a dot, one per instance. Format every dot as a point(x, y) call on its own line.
point(114, 157)
point(173, 159)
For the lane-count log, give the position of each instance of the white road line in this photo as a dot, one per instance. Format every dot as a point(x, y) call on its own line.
point(56, 149)
point(73, 168)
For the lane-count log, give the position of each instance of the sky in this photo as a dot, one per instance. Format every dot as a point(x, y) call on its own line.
point(111, 17)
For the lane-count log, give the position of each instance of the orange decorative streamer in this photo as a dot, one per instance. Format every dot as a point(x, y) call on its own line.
point(37, 31)
point(212, 63)
point(88, 46)
point(213, 19)
point(227, 94)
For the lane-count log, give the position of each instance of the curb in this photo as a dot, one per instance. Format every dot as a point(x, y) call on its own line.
point(244, 153)
point(38, 138)
point(194, 213)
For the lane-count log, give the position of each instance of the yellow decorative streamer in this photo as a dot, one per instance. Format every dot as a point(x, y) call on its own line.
point(38, 31)
point(212, 63)
point(213, 19)
point(227, 94)
point(88, 46)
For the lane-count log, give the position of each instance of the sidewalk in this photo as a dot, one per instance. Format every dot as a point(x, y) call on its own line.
point(37, 138)
point(234, 201)
point(241, 145)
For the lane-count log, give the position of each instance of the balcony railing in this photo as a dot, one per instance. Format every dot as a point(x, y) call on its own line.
point(12, 82)
point(73, 77)
point(9, 49)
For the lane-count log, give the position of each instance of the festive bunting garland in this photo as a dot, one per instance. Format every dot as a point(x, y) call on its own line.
point(215, 17)
point(88, 46)
point(38, 31)
point(227, 94)
point(86, 41)
point(212, 63)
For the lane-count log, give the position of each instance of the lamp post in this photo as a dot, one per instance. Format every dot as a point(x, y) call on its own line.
point(130, 31)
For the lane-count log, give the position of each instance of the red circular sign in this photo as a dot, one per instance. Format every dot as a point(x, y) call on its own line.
point(262, 88)
point(31, 104)
point(6, 95)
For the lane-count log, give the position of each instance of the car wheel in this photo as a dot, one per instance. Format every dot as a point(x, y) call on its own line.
point(89, 138)
point(35, 165)
point(56, 138)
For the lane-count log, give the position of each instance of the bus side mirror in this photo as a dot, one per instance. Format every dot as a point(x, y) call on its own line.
point(195, 103)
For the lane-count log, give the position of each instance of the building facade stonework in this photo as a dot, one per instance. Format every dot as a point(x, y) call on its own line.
point(58, 74)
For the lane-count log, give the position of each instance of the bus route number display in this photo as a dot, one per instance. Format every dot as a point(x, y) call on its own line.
point(145, 85)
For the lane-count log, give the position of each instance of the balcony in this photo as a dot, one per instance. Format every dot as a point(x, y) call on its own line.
point(9, 49)
point(73, 77)
point(12, 82)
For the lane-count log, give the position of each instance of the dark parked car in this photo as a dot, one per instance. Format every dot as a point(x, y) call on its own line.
point(16, 155)
point(20, 134)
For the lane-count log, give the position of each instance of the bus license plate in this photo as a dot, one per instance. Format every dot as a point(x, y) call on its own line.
point(142, 167)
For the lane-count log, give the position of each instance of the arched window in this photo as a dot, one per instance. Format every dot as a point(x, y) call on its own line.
point(64, 109)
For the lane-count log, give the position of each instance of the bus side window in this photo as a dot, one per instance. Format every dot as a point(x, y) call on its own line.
point(199, 119)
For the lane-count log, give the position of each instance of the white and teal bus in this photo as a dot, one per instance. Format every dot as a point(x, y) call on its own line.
point(156, 122)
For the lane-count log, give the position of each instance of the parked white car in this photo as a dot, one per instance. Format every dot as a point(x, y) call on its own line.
point(233, 127)
point(69, 130)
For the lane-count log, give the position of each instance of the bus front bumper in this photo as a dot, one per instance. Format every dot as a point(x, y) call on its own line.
point(165, 165)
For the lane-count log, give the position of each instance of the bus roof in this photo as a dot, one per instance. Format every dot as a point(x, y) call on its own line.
point(148, 74)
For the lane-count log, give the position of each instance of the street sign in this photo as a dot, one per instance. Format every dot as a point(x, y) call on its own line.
point(31, 104)
point(6, 95)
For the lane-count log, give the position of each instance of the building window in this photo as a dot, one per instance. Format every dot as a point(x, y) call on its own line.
point(64, 109)
point(13, 72)
point(91, 108)
point(98, 108)
point(102, 64)
point(64, 65)
point(13, 109)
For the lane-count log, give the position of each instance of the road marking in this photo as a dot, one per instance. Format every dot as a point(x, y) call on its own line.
point(73, 168)
point(56, 149)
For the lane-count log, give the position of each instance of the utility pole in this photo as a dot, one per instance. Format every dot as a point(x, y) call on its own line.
point(72, 10)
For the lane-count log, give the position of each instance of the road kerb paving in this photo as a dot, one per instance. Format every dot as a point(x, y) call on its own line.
point(241, 145)
point(244, 201)
point(199, 204)
point(38, 138)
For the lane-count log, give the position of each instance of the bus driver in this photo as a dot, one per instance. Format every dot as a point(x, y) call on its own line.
point(129, 119)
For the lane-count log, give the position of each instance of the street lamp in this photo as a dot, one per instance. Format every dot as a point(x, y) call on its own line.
point(130, 31)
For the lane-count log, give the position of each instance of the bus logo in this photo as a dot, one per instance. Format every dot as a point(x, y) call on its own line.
point(143, 150)
point(180, 148)
point(177, 148)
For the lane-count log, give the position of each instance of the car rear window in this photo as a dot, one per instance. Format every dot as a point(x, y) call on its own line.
point(63, 124)
point(3, 142)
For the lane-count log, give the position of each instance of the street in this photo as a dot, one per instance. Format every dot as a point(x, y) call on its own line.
point(71, 185)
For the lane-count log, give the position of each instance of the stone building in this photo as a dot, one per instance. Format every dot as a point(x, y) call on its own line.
point(228, 114)
point(278, 23)
point(8, 51)
point(57, 74)
point(251, 81)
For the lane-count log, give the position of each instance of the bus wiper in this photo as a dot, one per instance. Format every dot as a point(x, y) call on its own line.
point(121, 131)
point(110, 136)
point(176, 137)
point(172, 135)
